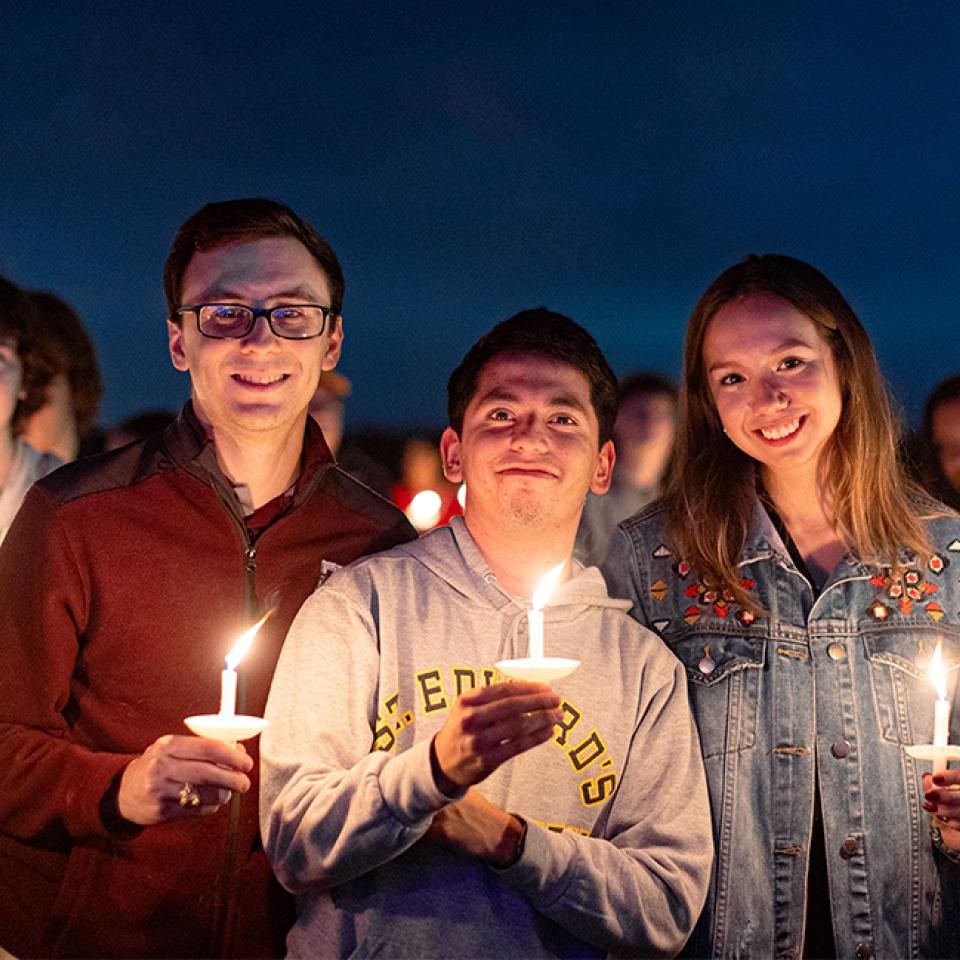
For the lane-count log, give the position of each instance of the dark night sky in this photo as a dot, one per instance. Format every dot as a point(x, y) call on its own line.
point(604, 159)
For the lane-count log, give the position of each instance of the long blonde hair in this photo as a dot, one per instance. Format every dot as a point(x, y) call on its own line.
point(711, 491)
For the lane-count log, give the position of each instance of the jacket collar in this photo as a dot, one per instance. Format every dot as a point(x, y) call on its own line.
point(188, 444)
point(764, 542)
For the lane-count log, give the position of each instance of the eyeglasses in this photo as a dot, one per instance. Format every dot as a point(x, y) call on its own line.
point(233, 321)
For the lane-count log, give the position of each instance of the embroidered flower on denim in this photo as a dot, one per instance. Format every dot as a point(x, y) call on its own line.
point(721, 602)
point(907, 588)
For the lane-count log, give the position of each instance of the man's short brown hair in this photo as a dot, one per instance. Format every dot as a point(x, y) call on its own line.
point(244, 221)
point(538, 333)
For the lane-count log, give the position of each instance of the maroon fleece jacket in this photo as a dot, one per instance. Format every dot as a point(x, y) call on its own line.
point(123, 582)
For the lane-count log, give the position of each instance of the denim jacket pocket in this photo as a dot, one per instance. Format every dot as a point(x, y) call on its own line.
point(723, 677)
point(900, 685)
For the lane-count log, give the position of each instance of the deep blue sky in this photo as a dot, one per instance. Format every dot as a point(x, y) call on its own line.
point(605, 159)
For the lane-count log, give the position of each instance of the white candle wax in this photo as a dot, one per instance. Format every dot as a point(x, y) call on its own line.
point(941, 708)
point(228, 692)
point(941, 723)
point(941, 734)
point(535, 626)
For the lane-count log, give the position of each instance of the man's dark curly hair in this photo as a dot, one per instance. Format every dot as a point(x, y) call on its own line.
point(540, 333)
point(18, 325)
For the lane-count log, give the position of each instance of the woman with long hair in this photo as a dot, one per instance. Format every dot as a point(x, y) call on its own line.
point(806, 584)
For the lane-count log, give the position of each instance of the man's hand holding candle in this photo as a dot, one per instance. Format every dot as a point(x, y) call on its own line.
point(152, 785)
point(487, 727)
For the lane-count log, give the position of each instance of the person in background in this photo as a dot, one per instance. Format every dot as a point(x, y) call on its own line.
point(327, 407)
point(139, 426)
point(423, 492)
point(805, 584)
point(124, 582)
point(74, 389)
point(643, 435)
point(940, 442)
point(419, 805)
point(23, 374)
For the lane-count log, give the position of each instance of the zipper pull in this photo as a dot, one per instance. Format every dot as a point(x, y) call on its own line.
point(250, 557)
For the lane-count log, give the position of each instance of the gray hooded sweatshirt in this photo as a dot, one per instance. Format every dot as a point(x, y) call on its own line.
point(618, 851)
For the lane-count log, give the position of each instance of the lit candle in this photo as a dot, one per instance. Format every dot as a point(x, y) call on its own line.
point(541, 595)
point(228, 679)
point(941, 715)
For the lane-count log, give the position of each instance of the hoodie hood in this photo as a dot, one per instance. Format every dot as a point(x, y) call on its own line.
point(451, 554)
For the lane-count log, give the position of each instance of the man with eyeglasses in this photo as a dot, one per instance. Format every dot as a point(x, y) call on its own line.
point(124, 582)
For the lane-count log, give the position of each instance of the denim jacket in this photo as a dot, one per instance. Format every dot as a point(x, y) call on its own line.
point(835, 685)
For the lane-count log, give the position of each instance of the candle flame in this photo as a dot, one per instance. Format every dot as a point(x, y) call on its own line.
point(937, 674)
point(546, 586)
point(242, 647)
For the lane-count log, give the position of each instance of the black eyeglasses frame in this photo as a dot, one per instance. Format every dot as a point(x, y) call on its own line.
point(258, 312)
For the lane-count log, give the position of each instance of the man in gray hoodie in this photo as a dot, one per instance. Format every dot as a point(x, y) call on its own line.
point(416, 803)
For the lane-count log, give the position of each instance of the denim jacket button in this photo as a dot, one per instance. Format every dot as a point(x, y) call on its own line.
point(849, 849)
point(840, 749)
point(864, 950)
point(837, 651)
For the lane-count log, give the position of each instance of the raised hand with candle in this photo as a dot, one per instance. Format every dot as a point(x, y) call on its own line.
point(942, 786)
point(152, 784)
point(489, 726)
point(485, 729)
point(188, 776)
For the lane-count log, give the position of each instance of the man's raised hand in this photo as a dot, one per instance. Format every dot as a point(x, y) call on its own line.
point(488, 726)
point(151, 785)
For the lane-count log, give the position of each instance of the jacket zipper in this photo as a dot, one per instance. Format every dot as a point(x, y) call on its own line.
point(224, 911)
point(224, 915)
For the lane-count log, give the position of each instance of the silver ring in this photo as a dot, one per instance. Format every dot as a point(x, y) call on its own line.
point(189, 796)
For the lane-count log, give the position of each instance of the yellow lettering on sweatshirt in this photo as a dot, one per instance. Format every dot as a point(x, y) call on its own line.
point(431, 690)
point(582, 751)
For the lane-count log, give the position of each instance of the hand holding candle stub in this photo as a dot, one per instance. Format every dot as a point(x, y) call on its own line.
point(179, 776)
point(536, 667)
point(942, 789)
point(227, 725)
point(940, 751)
point(490, 725)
